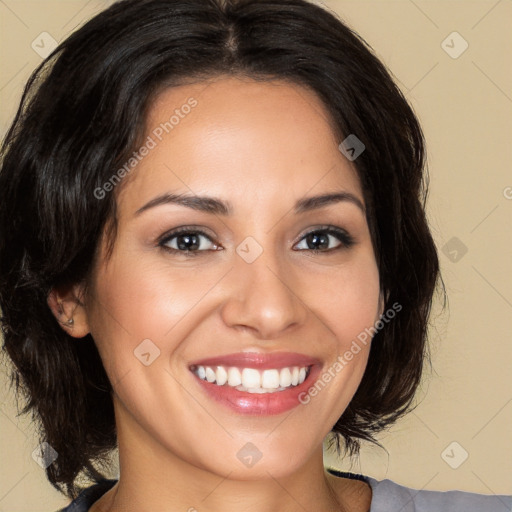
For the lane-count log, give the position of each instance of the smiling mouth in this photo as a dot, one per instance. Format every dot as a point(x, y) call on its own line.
point(252, 380)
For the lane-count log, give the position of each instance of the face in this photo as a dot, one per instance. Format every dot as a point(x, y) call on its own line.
point(289, 282)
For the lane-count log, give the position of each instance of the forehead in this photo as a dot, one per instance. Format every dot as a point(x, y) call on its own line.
point(241, 139)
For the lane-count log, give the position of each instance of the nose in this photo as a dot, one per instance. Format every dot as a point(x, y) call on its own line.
point(264, 297)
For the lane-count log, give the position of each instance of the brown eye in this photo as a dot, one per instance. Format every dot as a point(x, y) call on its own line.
point(319, 239)
point(187, 241)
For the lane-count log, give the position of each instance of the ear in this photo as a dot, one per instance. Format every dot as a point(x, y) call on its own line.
point(69, 310)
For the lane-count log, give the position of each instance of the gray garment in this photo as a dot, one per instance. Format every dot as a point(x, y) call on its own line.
point(388, 496)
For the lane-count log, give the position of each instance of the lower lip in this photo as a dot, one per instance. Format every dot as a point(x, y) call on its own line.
point(262, 404)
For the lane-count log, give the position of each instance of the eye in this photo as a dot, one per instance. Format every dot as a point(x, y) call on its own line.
point(318, 240)
point(187, 241)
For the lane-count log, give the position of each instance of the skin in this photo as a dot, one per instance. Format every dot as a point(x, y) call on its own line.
point(261, 146)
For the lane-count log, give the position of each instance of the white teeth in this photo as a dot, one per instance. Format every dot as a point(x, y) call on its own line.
point(258, 390)
point(270, 379)
point(234, 377)
point(222, 375)
point(254, 390)
point(210, 374)
point(252, 380)
point(285, 379)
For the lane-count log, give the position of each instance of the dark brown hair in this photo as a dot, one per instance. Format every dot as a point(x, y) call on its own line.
point(83, 111)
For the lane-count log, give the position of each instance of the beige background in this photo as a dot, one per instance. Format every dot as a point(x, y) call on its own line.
point(465, 105)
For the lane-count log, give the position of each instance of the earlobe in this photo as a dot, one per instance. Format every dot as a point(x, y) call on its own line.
point(69, 310)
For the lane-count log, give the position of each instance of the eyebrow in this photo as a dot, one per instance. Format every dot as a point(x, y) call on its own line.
point(213, 205)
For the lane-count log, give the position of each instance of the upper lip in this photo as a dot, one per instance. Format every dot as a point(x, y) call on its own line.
point(258, 360)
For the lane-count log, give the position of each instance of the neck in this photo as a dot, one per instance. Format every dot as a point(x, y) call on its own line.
point(152, 478)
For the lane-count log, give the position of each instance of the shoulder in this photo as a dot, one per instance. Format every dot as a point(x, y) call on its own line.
point(88, 496)
point(390, 496)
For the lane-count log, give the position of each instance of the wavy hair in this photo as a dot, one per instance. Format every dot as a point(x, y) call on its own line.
point(83, 113)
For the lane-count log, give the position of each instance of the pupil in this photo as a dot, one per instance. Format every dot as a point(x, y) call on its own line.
point(188, 238)
point(315, 238)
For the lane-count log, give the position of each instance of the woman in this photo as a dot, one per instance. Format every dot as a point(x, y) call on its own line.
point(214, 254)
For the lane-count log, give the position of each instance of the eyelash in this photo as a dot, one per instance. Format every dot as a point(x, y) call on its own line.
point(346, 240)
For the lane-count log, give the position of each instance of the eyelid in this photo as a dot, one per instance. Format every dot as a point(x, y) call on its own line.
point(346, 240)
point(168, 235)
point(329, 228)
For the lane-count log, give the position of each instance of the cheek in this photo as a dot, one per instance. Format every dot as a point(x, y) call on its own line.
point(138, 301)
point(349, 308)
point(147, 300)
point(348, 301)
point(143, 298)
